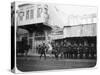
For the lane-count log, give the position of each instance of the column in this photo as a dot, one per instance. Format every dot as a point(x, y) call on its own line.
point(33, 43)
point(46, 36)
point(30, 42)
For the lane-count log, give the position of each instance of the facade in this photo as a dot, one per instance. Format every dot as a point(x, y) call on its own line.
point(80, 30)
point(33, 24)
point(80, 41)
point(56, 33)
point(33, 18)
point(32, 14)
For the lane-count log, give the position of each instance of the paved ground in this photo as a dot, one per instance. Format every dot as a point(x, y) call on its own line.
point(34, 63)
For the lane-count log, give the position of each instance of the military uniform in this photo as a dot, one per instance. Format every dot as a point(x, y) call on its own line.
point(43, 51)
point(75, 50)
point(81, 51)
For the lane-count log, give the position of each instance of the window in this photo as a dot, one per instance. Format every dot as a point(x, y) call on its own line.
point(27, 14)
point(45, 10)
point(31, 14)
point(40, 36)
point(21, 15)
point(39, 11)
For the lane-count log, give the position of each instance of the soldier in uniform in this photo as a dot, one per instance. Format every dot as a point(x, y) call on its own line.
point(86, 48)
point(72, 50)
point(55, 50)
point(75, 50)
point(78, 51)
point(69, 51)
point(43, 51)
point(92, 50)
point(81, 50)
point(84, 51)
point(65, 51)
point(61, 49)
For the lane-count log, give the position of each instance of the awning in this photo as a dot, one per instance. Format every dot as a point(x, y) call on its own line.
point(35, 27)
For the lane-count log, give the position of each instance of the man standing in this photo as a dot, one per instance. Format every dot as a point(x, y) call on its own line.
point(43, 51)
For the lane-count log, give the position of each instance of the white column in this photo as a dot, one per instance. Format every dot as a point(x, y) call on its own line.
point(46, 36)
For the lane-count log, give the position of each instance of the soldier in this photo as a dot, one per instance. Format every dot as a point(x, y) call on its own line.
point(75, 50)
point(86, 48)
point(81, 50)
point(43, 51)
point(69, 51)
point(92, 50)
point(84, 51)
point(62, 50)
point(65, 51)
point(55, 50)
point(72, 50)
point(78, 51)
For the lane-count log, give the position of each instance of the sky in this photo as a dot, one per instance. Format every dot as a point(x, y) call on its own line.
point(76, 9)
point(72, 14)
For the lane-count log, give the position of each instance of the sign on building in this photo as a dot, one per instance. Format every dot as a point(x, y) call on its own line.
point(31, 14)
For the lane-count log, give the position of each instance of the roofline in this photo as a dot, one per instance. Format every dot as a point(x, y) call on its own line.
point(22, 5)
point(79, 25)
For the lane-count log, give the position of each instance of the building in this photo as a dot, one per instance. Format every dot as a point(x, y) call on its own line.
point(32, 23)
point(38, 23)
point(83, 30)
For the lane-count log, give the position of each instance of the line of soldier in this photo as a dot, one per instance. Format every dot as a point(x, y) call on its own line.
point(75, 50)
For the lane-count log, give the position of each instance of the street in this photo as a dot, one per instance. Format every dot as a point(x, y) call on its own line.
point(34, 63)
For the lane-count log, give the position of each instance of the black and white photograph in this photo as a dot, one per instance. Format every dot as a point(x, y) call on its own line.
point(51, 36)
